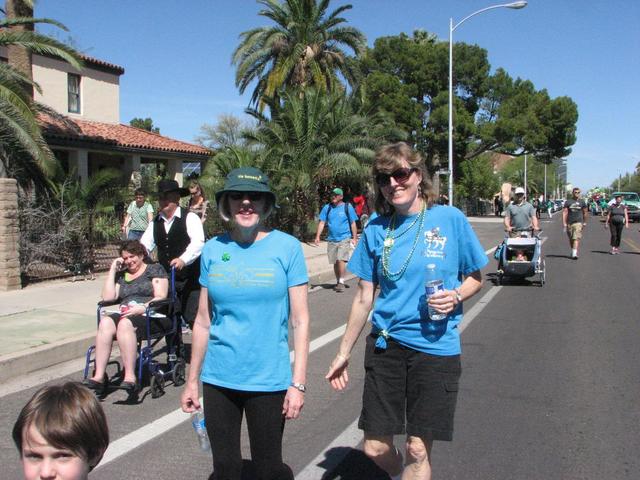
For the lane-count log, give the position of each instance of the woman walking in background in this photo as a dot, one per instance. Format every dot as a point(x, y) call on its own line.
point(198, 204)
point(617, 219)
point(139, 214)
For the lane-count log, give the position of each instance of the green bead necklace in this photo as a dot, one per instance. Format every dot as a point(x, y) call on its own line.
point(389, 241)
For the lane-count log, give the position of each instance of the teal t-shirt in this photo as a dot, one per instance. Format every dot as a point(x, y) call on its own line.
point(337, 221)
point(448, 241)
point(248, 286)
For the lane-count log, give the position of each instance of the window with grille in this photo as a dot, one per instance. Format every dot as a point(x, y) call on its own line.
point(73, 82)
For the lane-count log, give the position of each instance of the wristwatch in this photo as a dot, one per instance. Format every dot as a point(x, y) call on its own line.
point(300, 386)
point(458, 296)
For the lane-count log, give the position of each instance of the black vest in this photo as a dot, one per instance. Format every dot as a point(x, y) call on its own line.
point(173, 244)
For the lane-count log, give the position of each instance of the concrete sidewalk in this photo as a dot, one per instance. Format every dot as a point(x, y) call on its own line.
point(49, 323)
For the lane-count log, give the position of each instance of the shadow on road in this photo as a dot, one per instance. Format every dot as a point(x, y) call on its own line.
point(352, 464)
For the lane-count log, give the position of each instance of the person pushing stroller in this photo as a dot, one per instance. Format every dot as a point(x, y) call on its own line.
point(520, 216)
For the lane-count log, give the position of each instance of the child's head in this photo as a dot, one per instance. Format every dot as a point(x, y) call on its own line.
point(62, 427)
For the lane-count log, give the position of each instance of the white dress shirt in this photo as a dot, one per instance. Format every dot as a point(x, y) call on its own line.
point(194, 230)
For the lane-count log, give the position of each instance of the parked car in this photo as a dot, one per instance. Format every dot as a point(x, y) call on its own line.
point(632, 201)
point(557, 205)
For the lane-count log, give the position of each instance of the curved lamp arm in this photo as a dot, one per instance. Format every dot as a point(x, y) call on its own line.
point(514, 5)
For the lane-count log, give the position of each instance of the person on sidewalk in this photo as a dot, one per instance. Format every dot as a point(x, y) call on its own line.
point(574, 219)
point(179, 237)
point(139, 214)
point(340, 218)
point(412, 362)
point(520, 216)
point(617, 219)
point(135, 284)
point(256, 280)
point(198, 204)
point(61, 433)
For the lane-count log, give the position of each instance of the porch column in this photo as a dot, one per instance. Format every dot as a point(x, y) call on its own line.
point(79, 161)
point(174, 170)
point(132, 167)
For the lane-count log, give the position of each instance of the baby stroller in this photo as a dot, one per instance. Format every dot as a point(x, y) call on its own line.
point(521, 258)
point(146, 362)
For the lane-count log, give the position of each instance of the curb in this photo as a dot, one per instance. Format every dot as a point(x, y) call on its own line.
point(28, 361)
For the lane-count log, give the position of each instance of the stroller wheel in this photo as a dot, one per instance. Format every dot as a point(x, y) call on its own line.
point(157, 385)
point(179, 372)
point(543, 275)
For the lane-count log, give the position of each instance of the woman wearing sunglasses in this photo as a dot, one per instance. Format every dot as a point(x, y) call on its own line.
point(412, 361)
point(256, 281)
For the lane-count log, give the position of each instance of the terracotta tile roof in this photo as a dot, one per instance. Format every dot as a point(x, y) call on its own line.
point(118, 135)
point(101, 63)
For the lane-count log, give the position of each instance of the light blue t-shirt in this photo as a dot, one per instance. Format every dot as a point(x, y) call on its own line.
point(248, 286)
point(337, 221)
point(449, 242)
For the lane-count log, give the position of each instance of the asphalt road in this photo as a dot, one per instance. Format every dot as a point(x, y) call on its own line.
point(549, 390)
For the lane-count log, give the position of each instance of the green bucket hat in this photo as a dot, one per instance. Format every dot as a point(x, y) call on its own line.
point(246, 179)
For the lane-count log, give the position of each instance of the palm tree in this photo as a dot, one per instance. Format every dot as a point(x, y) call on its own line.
point(24, 154)
point(302, 49)
point(309, 144)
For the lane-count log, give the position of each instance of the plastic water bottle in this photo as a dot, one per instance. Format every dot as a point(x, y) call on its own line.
point(197, 420)
point(433, 284)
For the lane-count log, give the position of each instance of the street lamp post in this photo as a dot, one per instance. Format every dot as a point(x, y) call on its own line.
point(452, 27)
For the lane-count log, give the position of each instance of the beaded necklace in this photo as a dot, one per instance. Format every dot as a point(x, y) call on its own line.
point(389, 241)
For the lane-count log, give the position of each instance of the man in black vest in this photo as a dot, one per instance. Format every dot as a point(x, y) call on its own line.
point(179, 236)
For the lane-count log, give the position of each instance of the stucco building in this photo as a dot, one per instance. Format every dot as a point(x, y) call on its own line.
point(87, 135)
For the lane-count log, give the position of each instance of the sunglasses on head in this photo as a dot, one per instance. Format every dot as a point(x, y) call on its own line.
point(253, 196)
point(401, 175)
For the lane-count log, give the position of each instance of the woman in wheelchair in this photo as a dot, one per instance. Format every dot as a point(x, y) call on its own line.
point(134, 284)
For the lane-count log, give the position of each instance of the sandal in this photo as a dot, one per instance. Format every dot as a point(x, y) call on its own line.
point(91, 384)
point(129, 386)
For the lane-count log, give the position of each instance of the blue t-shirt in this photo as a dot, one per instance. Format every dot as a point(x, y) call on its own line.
point(449, 242)
point(337, 221)
point(248, 286)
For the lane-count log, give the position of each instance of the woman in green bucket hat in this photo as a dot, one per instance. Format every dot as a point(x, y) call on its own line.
point(256, 280)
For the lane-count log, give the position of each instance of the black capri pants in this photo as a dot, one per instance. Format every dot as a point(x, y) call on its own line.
point(223, 410)
point(616, 232)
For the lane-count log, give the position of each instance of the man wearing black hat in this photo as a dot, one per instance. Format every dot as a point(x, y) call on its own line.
point(179, 236)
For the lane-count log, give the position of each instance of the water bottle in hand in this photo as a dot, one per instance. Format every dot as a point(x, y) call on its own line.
point(433, 284)
point(197, 420)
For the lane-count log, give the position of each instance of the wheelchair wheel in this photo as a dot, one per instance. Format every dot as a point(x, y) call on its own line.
point(157, 385)
point(179, 372)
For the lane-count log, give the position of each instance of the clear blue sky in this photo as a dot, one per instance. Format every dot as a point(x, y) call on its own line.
point(176, 56)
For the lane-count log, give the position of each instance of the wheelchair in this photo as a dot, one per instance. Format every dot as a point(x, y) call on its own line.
point(147, 364)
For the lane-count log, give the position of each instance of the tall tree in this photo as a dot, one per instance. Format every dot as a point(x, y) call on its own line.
point(227, 132)
point(407, 76)
point(303, 48)
point(24, 154)
point(144, 124)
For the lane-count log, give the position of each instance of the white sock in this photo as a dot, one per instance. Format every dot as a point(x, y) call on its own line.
point(574, 252)
point(341, 281)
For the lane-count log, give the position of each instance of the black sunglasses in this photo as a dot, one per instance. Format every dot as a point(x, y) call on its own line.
point(401, 175)
point(253, 196)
